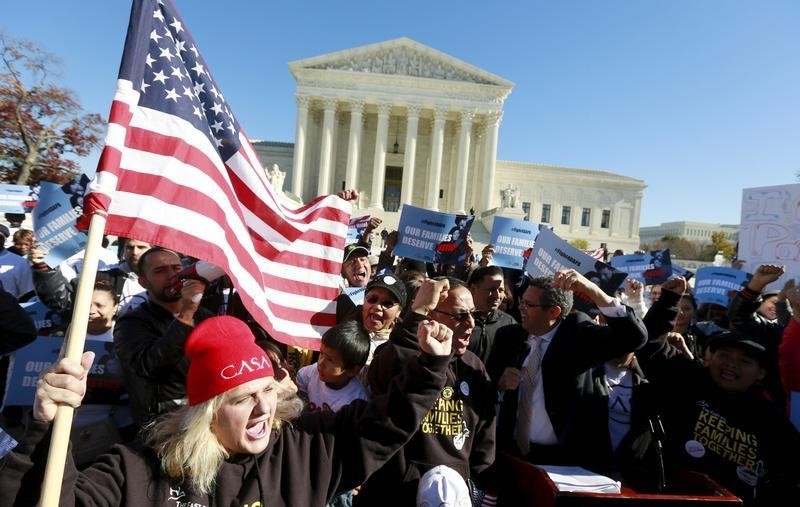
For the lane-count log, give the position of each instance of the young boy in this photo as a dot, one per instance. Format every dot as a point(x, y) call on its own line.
point(332, 382)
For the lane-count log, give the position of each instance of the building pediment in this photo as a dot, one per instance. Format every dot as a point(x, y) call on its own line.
point(401, 57)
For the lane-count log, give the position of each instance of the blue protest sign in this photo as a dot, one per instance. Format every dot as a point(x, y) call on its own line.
point(46, 320)
point(718, 285)
point(18, 198)
point(551, 254)
point(681, 271)
point(512, 240)
point(432, 236)
point(650, 268)
point(7, 443)
point(54, 220)
point(104, 384)
point(355, 229)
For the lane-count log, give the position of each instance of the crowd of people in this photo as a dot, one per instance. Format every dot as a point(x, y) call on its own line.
point(431, 378)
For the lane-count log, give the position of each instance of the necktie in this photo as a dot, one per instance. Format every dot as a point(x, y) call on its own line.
point(527, 386)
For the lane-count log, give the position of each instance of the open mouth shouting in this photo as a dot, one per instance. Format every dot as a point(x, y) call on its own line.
point(257, 430)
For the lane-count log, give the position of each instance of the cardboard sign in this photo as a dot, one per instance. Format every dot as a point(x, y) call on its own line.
point(513, 241)
point(432, 236)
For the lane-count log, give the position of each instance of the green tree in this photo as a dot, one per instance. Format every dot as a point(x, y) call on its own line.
point(718, 244)
point(679, 248)
point(580, 244)
point(42, 125)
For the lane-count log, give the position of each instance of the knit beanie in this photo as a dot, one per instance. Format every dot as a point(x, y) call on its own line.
point(222, 355)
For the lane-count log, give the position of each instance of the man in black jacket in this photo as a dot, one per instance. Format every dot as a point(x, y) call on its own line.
point(486, 284)
point(549, 358)
point(459, 431)
point(149, 340)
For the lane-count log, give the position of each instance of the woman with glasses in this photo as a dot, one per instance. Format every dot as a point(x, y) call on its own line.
point(384, 302)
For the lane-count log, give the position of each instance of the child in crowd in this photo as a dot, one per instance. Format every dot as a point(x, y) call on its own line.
point(333, 382)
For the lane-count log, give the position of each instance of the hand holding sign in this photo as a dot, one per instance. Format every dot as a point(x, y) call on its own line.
point(633, 288)
point(569, 279)
point(350, 195)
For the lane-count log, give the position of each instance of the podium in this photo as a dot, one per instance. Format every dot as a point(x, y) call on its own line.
point(525, 484)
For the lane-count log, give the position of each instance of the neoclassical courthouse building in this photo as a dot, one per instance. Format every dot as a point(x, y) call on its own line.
point(407, 124)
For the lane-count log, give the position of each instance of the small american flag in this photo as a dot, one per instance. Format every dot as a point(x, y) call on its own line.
point(178, 171)
point(598, 254)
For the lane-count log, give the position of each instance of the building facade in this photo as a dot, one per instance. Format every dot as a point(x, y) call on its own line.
point(407, 124)
point(696, 232)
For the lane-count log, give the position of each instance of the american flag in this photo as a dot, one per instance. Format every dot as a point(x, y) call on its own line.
point(598, 254)
point(178, 171)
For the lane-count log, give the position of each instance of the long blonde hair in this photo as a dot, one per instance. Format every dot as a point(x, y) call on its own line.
point(190, 452)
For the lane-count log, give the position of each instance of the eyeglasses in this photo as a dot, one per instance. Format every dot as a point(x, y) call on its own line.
point(386, 303)
point(460, 317)
point(524, 304)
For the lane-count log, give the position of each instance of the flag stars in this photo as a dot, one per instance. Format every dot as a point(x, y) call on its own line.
point(158, 15)
point(199, 70)
point(196, 112)
point(231, 128)
point(188, 92)
point(176, 25)
point(154, 36)
point(144, 86)
point(168, 34)
point(217, 142)
point(176, 71)
point(172, 94)
point(165, 54)
point(214, 91)
point(160, 76)
point(149, 60)
point(180, 46)
point(199, 88)
point(216, 126)
point(195, 51)
point(217, 108)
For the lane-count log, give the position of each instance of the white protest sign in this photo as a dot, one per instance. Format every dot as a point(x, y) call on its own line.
point(770, 229)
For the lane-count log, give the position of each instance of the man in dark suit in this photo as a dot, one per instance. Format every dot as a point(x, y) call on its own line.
point(544, 366)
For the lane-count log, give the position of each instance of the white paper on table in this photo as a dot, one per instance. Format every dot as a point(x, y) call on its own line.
point(567, 478)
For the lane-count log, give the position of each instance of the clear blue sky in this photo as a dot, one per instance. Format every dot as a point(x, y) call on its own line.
point(698, 98)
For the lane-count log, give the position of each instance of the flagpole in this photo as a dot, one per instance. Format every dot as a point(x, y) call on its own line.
point(59, 443)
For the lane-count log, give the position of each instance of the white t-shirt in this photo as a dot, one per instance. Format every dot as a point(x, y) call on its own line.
point(324, 398)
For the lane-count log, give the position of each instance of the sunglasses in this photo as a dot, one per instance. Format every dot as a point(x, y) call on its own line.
point(460, 317)
point(386, 303)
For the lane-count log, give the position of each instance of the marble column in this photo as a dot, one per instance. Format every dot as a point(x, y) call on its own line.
point(410, 158)
point(477, 171)
point(633, 232)
point(303, 102)
point(464, 141)
point(490, 158)
point(437, 146)
point(354, 144)
point(326, 146)
point(379, 166)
